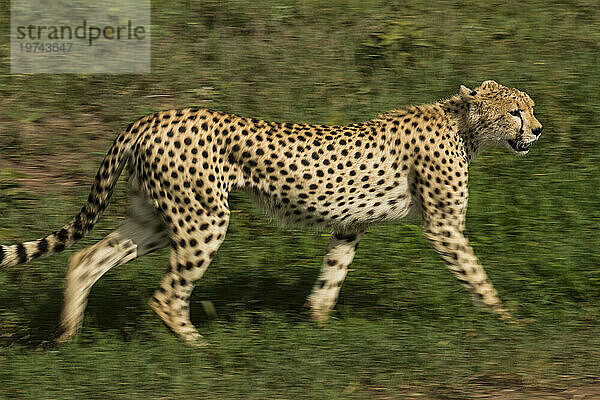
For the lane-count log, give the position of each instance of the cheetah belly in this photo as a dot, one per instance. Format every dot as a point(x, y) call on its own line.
point(354, 206)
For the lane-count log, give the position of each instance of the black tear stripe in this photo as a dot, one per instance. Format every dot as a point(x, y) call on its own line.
point(21, 253)
point(521, 129)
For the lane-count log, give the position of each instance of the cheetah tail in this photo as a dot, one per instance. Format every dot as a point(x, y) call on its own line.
point(90, 213)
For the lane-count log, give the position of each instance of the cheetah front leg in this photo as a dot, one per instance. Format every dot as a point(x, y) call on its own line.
point(451, 243)
point(340, 253)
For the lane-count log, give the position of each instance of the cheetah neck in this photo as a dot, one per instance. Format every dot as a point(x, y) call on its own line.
point(468, 133)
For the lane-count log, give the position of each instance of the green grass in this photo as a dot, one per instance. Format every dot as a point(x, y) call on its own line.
point(403, 325)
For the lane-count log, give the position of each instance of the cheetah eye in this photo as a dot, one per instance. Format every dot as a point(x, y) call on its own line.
point(515, 113)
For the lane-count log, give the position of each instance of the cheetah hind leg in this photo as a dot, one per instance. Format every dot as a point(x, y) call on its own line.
point(189, 260)
point(133, 238)
point(340, 253)
point(142, 232)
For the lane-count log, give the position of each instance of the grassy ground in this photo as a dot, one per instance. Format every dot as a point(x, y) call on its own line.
point(403, 328)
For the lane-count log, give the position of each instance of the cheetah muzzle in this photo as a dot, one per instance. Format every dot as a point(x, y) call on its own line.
point(519, 146)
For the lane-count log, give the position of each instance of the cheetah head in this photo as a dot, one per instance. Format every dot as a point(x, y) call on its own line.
point(501, 115)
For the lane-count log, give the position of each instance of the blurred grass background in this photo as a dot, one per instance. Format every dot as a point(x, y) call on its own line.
point(403, 328)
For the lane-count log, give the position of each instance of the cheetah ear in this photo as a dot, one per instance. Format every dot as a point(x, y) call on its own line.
point(490, 83)
point(466, 94)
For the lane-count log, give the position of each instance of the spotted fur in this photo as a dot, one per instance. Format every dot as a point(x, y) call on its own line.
point(184, 163)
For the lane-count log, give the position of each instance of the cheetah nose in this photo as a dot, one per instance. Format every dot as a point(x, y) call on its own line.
point(537, 131)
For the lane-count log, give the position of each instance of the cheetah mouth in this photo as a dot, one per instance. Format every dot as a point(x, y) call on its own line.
point(519, 146)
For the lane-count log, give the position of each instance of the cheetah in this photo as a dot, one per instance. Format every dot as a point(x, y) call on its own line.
point(183, 164)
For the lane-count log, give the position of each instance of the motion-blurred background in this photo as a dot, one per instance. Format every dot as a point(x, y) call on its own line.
point(404, 327)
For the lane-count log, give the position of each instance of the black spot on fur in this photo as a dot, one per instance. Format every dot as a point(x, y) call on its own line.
point(62, 235)
point(21, 253)
point(43, 246)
